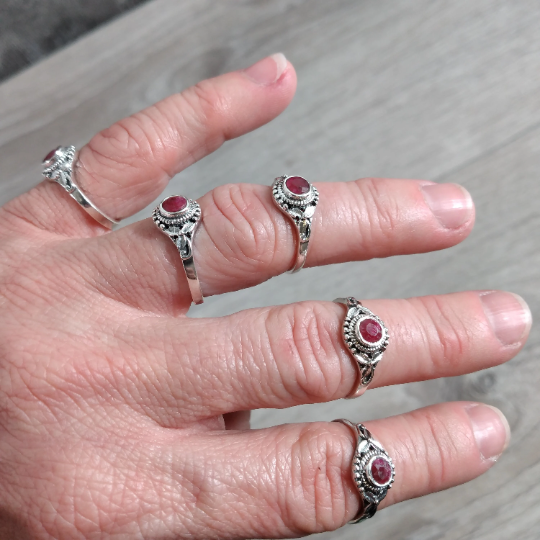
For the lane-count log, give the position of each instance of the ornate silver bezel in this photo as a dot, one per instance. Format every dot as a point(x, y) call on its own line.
point(297, 197)
point(369, 473)
point(367, 449)
point(59, 168)
point(368, 353)
point(288, 200)
point(368, 345)
point(173, 215)
point(179, 226)
point(175, 223)
point(365, 454)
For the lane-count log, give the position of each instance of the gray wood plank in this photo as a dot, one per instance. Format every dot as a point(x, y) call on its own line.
point(409, 88)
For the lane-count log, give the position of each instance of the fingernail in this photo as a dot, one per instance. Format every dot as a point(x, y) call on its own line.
point(508, 314)
point(268, 70)
point(491, 430)
point(451, 204)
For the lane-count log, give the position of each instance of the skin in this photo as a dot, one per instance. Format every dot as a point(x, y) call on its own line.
point(122, 418)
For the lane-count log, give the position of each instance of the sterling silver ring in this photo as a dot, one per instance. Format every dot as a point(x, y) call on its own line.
point(366, 337)
point(372, 471)
point(178, 218)
point(297, 198)
point(58, 167)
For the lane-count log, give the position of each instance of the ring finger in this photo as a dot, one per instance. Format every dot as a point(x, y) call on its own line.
point(289, 355)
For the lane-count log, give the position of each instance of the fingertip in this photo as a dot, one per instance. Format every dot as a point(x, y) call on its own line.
point(267, 71)
point(491, 431)
point(451, 205)
point(272, 80)
point(508, 315)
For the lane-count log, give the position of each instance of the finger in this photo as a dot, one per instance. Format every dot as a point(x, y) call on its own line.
point(295, 479)
point(290, 355)
point(126, 166)
point(244, 239)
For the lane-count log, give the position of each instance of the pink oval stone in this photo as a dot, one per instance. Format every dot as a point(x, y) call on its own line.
point(50, 155)
point(297, 185)
point(370, 330)
point(381, 471)
point(173, 204)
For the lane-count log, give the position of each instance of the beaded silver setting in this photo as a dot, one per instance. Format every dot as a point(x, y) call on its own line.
point(366, 337)
point(179, 218)
point(372, 470)
point(299, 204)
point(58, 166)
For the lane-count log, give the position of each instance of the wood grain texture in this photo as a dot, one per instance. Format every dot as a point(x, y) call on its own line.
point(411, 88)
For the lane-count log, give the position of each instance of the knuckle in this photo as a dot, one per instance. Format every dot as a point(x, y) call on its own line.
point(247, 233)
point(202, 108)
point(449, 339)
point(304, 337)
point(319, 456)
point(380, 213)
point(192, 120)
point(429, 443)
point(205, 101)
point(123, 146)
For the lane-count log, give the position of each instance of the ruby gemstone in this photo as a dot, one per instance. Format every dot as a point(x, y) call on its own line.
point(370, 330)
point(173, 204)
point(381, 471)
point(50, 155)
point(297, 185)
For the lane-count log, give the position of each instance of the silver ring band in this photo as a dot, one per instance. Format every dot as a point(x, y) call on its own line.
point(372, 470)
point(297, 198)
point(58, 167)
point(366, 337)
point(178, 218)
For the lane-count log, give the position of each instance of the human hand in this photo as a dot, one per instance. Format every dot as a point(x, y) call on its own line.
point(119, 415)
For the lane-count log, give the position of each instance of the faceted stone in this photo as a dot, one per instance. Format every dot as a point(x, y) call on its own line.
point(50, 155)
point(370, 330)
point(381, 471)
point(297, 185)
point(173, 204)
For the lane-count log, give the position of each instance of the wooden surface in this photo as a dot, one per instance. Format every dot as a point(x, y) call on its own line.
point(446, 91)
point(32, 29)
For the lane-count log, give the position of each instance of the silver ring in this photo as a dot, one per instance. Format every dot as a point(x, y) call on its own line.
point(179, 218)
point(58, 167)
point(297, 198)
point(372, 471)
point(366, 337)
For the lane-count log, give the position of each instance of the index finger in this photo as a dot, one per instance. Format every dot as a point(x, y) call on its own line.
point(126, 166)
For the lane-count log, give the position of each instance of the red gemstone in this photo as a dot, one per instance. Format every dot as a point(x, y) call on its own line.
point(50, 155)
point(370, 330)
point(381, 471)
point(297, 185)
point(176, 203)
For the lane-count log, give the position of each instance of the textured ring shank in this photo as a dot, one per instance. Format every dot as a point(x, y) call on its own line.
point(180, 227)
point(59, 167)
point(91, 208)
point(301, 255)
point(193, 281)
